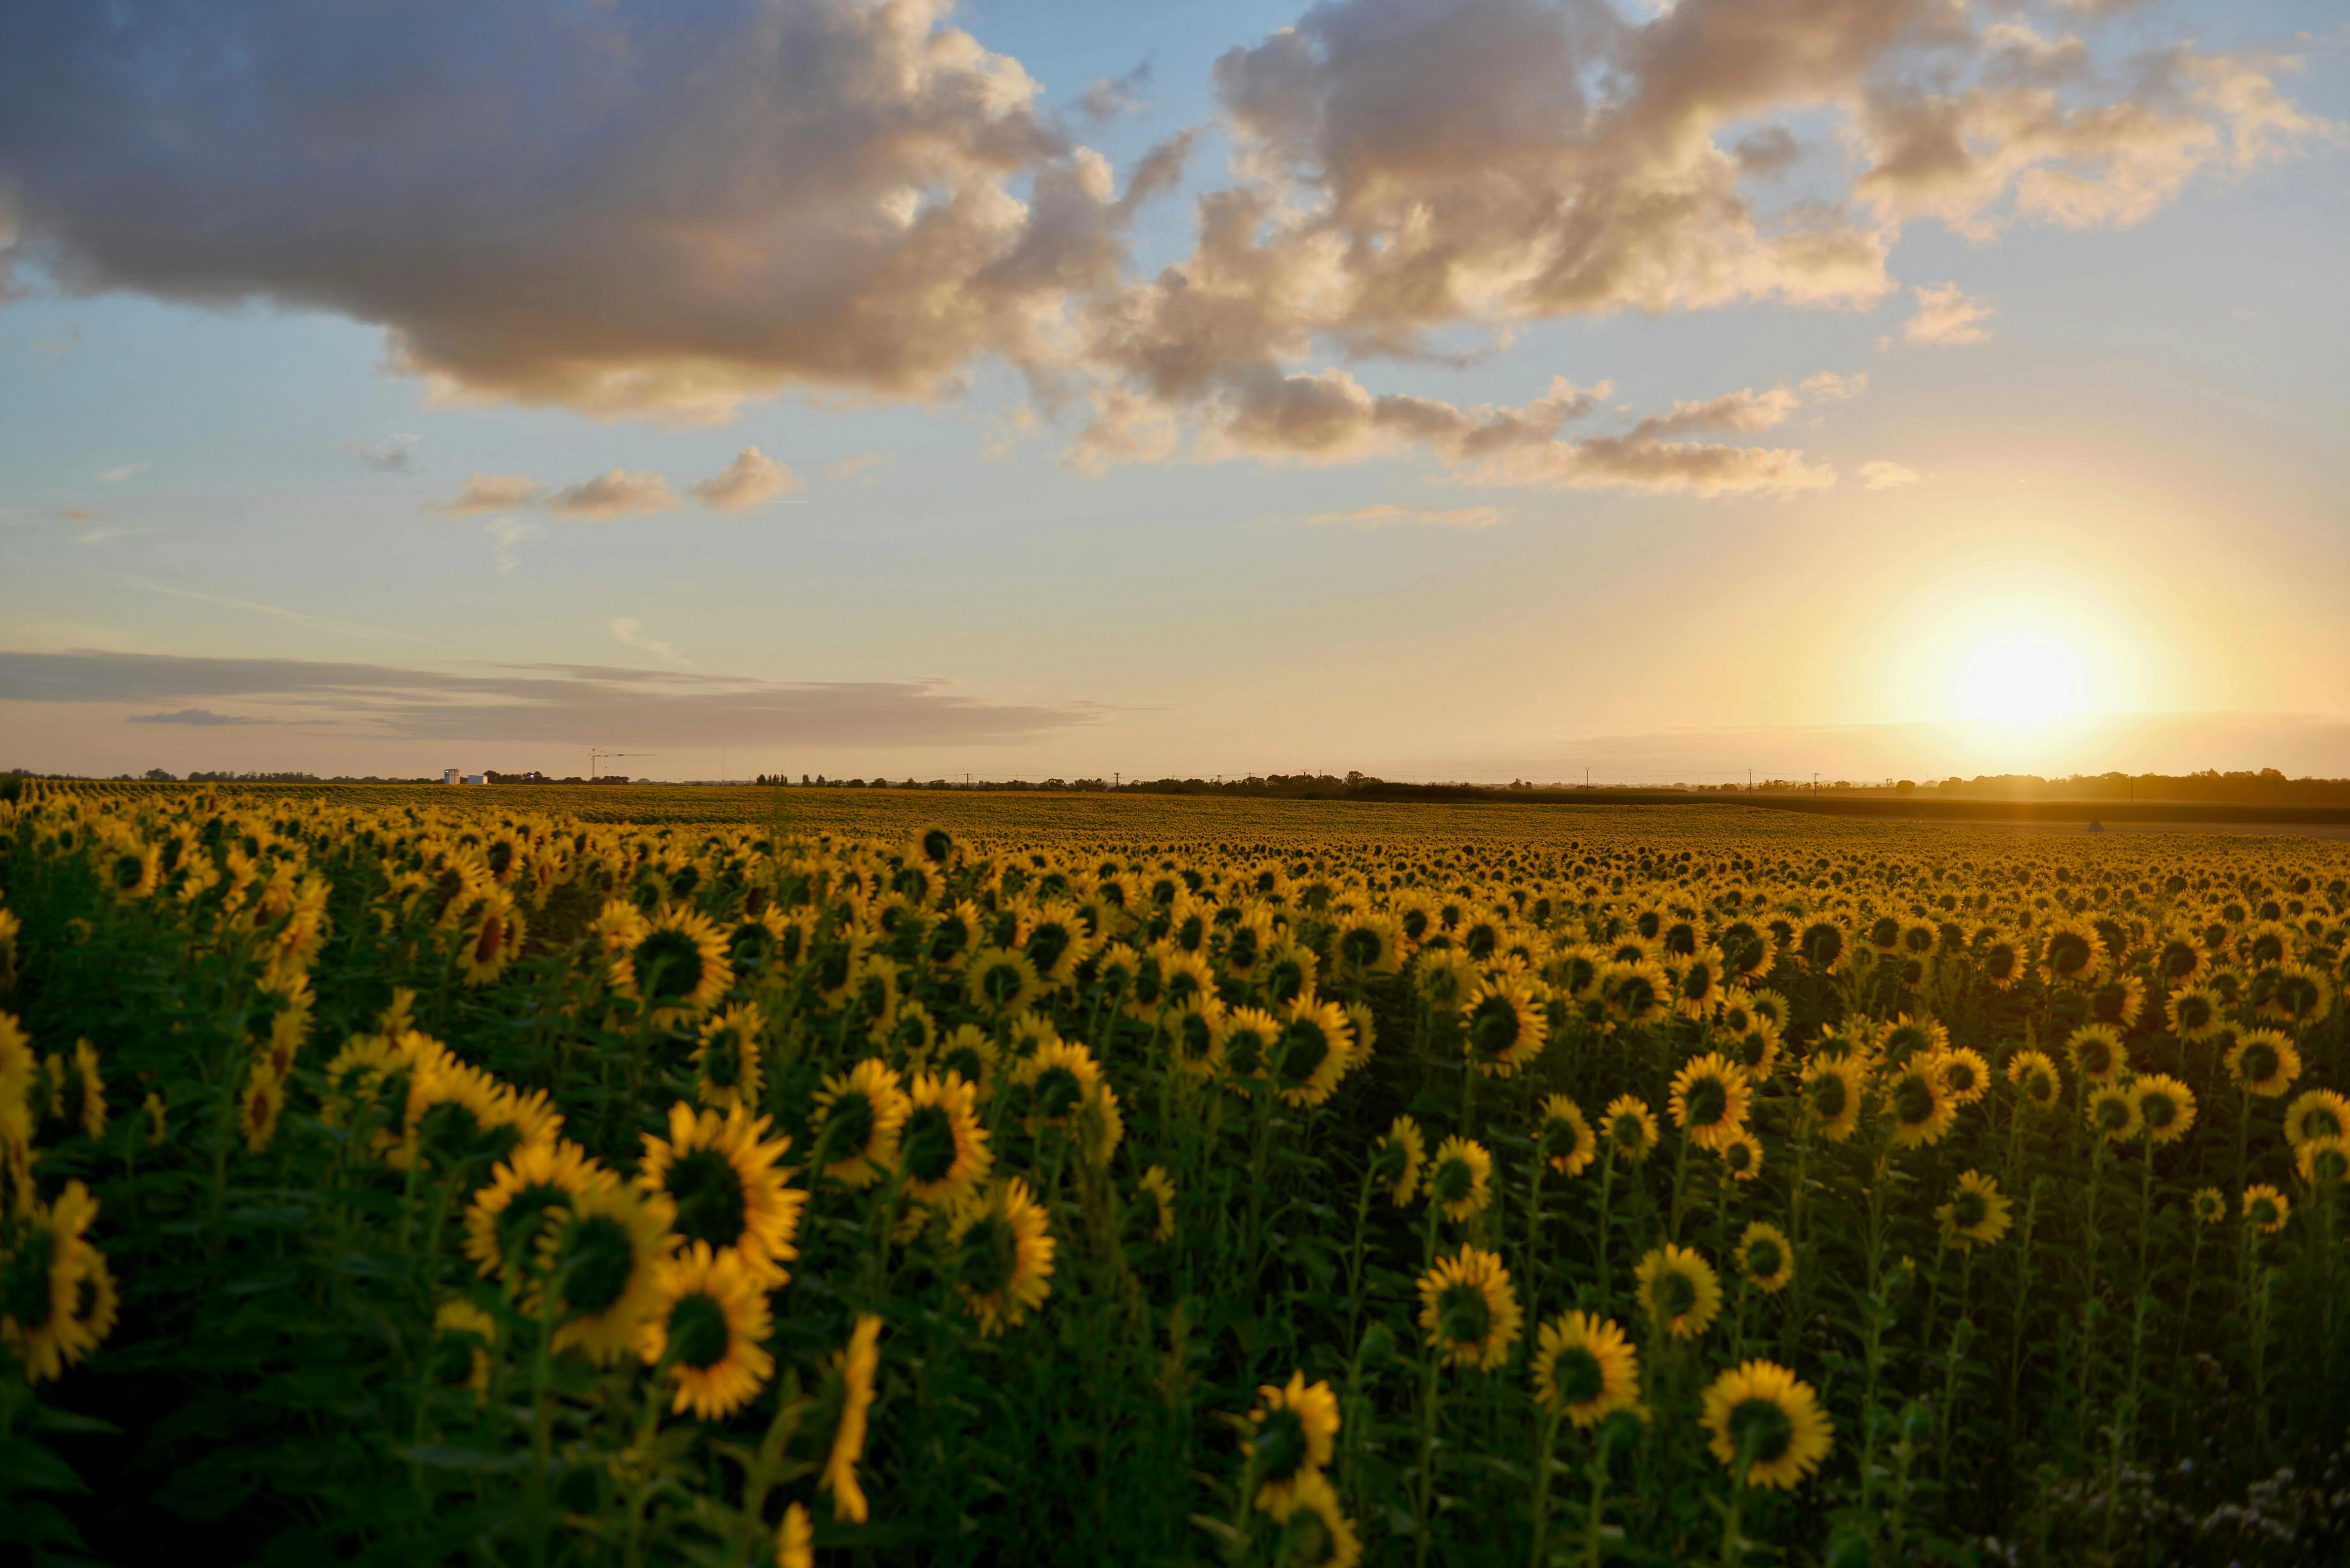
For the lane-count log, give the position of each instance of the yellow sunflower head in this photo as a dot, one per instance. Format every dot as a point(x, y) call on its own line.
point(2323, 1162)
point(1563, 1139)
point(1460, 1178)
point(1834, 1086)
point(1502, 1026)
point(675, 968)
point(1678, 1290)
point(1396, 1160)
point(1470, 1310)
point(1977, 1214)
point(2264, 1062)
point(2316, 1113)
point(720, 1180)
point(1000, 1260)
point(2164, 1106)
point(1767, 1425)
point(707, 1330)
point(601, 1268)
point(1313, 1051)
point(1920, 1111)
point(2113, 1111)
point(525, 1199)
point(855, 1367)
point(1709, 1099)
point(726, 1059)
point(2098, 1053)
point(858, 1118)
point(2209, 1205)
point(1585, 1369)
point(2036, 1078)
point(1292, 1434)
point(1766, 1259)
point(1629, 1128)
point(1157, 1189)
point(941, 1148)
point(1741, 1157)
point(2265, 1208)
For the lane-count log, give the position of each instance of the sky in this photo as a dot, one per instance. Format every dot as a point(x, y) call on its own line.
point(1438, 388)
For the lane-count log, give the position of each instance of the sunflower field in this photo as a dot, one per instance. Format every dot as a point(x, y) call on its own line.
point(390, 1177)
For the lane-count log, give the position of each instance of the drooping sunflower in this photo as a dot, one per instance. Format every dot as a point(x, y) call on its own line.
point(1156, 1186)
point(2265, 1208)
point(721, 1176)
point(1396, 1160)
point(1767, 1423)
point(1835, 1087)
point(1563, 1138)
point(1584, 1368)
point(2164, 1106)
point(1766, 1259)
point(1977, 1213)
point(2036, 1078)
point(1314, 1051)
point(726, 1059)
point(676, 967)
point(1002, 1263)
point(258, 1107)
point(1502, 1026)
point(1469, 1309)
point(941, 1148)
point(1678, 1290)
point(855, 1366)
point(1629, 1129)
point(601, 1264)
point(2316, 1113)
point(708, 1330)
point(2113, 1111)
point(1709, 1099)
point(527, 1196)
point(858, 1115)
point(1460, 1178)
point(2264, 1062)
point(1293, 1433)
point(2098, 1052)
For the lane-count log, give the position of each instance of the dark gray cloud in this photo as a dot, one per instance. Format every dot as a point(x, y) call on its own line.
point(575, 704)
point(193, 716)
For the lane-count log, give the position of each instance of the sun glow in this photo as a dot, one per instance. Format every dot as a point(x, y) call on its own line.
point(2020, 677)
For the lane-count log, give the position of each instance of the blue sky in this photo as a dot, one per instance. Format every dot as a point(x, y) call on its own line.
point(2049, 477)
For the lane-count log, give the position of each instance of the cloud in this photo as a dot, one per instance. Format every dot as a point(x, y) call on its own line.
point(553, 703)
point(851, 467)
point(1111, 96)
point(618, 494)
point(512, 534)
point(1945, 315)
point(1883, 475)
point(1373, 516)
point(127, 471)
point(632, 631)
point(396, 454)
point(752, 479)
point(192, 716)
point(493, 493)
point(80, 514)
point(1828, 386)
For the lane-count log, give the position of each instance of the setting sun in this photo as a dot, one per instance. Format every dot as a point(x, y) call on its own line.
point(2021, 678)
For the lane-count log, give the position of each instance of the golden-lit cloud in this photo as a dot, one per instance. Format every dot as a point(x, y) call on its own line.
point(753, 479)
point(493, 493)
point(1883, 475)
point(620, 493)
point(1375, 516)
point(1945, 315)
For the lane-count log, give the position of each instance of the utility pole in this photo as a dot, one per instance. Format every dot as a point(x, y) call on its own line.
point(1815, 786)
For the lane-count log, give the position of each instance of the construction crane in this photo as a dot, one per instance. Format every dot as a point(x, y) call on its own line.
point(594, 757)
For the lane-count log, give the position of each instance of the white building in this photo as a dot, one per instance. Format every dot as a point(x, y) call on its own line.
point(475, 778)
point(448, 775)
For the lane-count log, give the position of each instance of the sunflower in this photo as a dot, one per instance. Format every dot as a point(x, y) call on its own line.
point(18, 1067)
point(1156, 1186)
point(1824, 946)
point(676, 967)
point(2113, 1111)
point(1585, 1369)
point(2293, 993)
point(1678, 1290)
point(1502, 1026)
point(1766, 1259)
point(1469, 1309)
point(2118, 1000)
point(83, 1102)
point(1446, 978)
point(1563, 1139)
point(1315, 1532)
point(1055, 939)
point(1196, 1032)
point(1367, 945)
point(1833, 1088)
point(1248, 1037)
point(1293, 1433)
point(602, 1262)
point(1629, 1129)
point(1314, 1051)
point(1965, 1076)
point(1638, 993)
point(2071, 952)
point(2265, 1208)
point(719, 1175)
point(1460, 1178)
point(968, 1051)
point(257, 1108)
point(2207, 1205)
point(1062, 1079)
point(1187, 978)
point(2164, 1107)
point(708, 1328)
point(1767, 1425)
point(856, 1364)
point(2264, 1062)
point(942, 1149)
point(462, 1337)
point(727, 1071)
point(1906, 1037)
point(1976, 1213)
point(2194, 1013)
point(1396, 1160)
point(2098, 1053)
point(999, 981)
point(2035, 1076)
point(489, 937)
point(526, 1196)
point(2325, 1162)
point(857, 1117)
point(1741, 1156)
point(1003, 1255)
point(2316, 1113)
point(41, 1281)
point(1709, 1101)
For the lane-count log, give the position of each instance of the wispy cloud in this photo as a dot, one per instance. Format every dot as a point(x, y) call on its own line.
point(193, 716)
point(1945, 315)
point(1883, 475)
point(396, 454)
point(127, 471)
point(632, 631)
point(80, 514)
point(512, 534)
point(298, 617)
point(851, 467)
